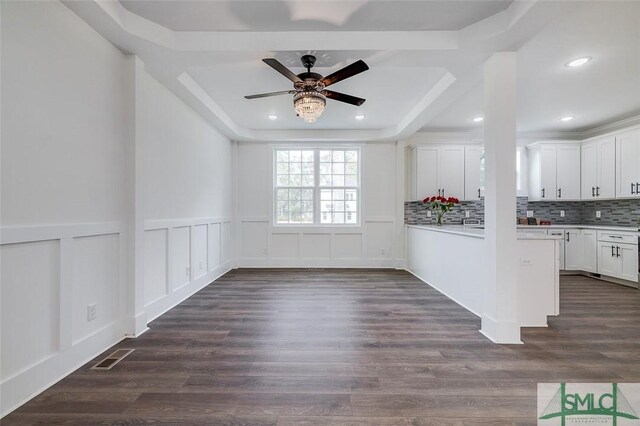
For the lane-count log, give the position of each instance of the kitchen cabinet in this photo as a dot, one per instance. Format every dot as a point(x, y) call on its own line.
point(573, 250)
point(560, 233)
point(554, 171)
point(618, 255)
point(598, 169)
point(473, 172)
point(589, 250)
point(628, 164)
point(439, 170)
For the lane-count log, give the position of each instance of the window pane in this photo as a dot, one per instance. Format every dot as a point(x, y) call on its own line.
point(337, 178)
point(325, 168)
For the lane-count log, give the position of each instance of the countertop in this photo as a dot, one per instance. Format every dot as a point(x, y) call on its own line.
point(475, 231)
point(600, 227)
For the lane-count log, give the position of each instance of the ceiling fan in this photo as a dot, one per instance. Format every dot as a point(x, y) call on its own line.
point(309, 88)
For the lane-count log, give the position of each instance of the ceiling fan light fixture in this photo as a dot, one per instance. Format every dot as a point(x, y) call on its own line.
point(309, 105)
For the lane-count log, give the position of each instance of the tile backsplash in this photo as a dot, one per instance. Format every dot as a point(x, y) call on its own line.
point(613, 212)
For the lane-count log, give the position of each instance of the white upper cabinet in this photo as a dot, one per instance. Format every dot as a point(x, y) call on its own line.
point(598, 169)
point(568, 172)
point(554, 172)
point(439, 171)
point(473, 170)
point(426, 172)
point(628, 164)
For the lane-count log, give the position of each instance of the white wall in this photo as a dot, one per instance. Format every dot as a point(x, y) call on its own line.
point(64, 139)
point(81, 127)
point(185, 197)
point(371, 244)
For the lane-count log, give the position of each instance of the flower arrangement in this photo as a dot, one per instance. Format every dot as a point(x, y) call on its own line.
point(440, 205)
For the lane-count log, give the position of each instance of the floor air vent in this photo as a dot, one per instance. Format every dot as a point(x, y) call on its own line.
point(114, 358)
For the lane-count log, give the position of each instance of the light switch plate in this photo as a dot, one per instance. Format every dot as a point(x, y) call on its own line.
point(598, 214)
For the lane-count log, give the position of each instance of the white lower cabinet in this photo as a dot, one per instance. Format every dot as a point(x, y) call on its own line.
point(573, 250)
point(618, 255)
point(589, 250)
point(560, 233)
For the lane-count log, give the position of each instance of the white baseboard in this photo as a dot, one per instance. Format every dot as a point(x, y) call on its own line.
point(316, 263)
point(21, 387)
point(179, 295)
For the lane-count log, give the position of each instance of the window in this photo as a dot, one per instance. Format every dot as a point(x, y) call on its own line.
point(317, 186)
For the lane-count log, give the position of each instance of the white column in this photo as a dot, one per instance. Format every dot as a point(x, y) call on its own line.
point(135, 232)
point(500, 316)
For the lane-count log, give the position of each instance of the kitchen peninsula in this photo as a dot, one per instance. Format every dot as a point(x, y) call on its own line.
point(451, 258)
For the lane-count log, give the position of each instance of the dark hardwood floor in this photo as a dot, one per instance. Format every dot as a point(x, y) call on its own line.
point(344, 347)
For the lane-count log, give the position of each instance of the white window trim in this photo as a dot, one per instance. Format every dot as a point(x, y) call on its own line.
point(316, 188)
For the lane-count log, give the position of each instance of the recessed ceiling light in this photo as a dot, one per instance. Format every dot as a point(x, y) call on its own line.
point(272, 117)
point(579, 62)
point(478, 119)
point(359, 116)
point(567, 118)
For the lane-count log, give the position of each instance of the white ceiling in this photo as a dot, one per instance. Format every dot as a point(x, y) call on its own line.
point(314, 15)
point(602, 91)
point(425, 60)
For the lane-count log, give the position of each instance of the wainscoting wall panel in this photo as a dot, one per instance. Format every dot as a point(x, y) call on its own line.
point(95, 282)
point(50, 274)
point(368, 245)
point(155, 265)
point(190, 259)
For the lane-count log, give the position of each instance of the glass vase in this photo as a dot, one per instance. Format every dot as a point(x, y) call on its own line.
point(439, 217)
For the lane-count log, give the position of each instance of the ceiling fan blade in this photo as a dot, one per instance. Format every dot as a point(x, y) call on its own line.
point(266, 95)
point(346, 72)
point(341, 97)
point(273, 63)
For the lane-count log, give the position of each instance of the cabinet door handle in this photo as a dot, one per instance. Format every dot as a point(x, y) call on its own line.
point(559, 192)
point(443, 192)
point(567, 237)
point(618, 251)
point(438, 192)
point(613, 251)
point(478, 192)
point(632, 187)
point(597, 191)
point(637, 190)
point(593, 191)
point(542, 192)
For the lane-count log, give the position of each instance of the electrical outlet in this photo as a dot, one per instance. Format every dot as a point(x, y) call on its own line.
point(428, 213)
point(598, 214)
point(91, 312)
point(383, 251)
point(561, 213)
point(187, 270)
point(467, 213)
point(529, 213)
point(201, 265)
point(264, 251)
point(525, 262)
